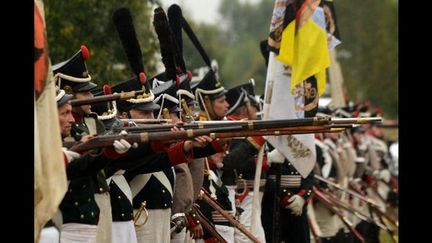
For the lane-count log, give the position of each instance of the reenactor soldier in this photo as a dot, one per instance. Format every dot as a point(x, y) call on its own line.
point(210, 95)
point(123, 229)
point(239, 165)
point(87, 200)
point(296, 191)
point(50, 232)
point(154, 186)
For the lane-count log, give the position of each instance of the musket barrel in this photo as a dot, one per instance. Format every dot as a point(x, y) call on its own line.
point(366, 199)
point(105, 98)
point(329, 204)
point(358, 120)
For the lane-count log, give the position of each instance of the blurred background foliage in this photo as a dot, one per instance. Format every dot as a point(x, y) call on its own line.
point(368, 54)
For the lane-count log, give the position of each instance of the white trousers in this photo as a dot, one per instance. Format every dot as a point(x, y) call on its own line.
point(246, 220)
point(157, 228)
point(182, 237)
point(73, 233)
point(123, 231)
point(227, 232)
point(49, 235)
point(104, 228)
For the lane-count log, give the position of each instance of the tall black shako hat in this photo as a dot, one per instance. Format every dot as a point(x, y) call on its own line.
point(240, 95)
point(72, 75)
point(141, 102)
point(209, 88)
point(62, 98)
point(165, 97)
point(182, 82)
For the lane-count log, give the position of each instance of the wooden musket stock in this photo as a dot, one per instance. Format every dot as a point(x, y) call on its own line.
point(204, 195)
point(146, 137)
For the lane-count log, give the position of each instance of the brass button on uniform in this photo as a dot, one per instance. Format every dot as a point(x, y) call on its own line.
point(100, 189)
point(82, 216)
point(119, 197)
point(92, 213)
point(122, 214)
point(163, 191)
point(89, 200)
point(76, 203)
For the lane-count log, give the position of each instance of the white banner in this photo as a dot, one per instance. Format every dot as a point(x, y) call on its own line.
point(279, 103)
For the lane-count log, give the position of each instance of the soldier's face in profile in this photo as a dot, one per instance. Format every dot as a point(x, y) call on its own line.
point(216, 160)
point(139, 114)
point(86, 109)
point(252, 113)
point(66, 119)
point(220, 106)
point(174, 117)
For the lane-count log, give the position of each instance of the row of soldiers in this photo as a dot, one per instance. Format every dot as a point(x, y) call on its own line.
point(160, 191)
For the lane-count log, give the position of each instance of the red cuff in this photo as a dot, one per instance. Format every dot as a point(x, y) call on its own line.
point(284, 203)
point(302, 192)
point(211, 240)
point(157, 146)
point(65, 159)
point(370, 181)
point(177, 155)
point(111, 154)
point(191, 222)
point(217, 146)
point(256, 141)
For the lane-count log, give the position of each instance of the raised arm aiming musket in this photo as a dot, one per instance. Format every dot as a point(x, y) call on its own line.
point(146, 137)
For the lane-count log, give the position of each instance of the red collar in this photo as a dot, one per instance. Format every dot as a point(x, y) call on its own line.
point(78, 117)
point(234, 118)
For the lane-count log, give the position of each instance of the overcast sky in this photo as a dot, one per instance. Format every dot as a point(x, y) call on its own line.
point(200, 10)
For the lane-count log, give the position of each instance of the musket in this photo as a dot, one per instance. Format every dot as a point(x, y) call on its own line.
point(322, 198)
point(204, 195)
point(357, 120)
point(145, 121)
point(277, 132)
point(361, 197)
point(109, 97)
point(247, 125)
point(146, 137)
point(355, 212)
point(379, 212)
point(208, 226)
point(313, 230)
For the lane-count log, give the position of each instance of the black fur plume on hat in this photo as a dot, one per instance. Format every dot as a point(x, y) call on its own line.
point(126, 30)
point(160, 23)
